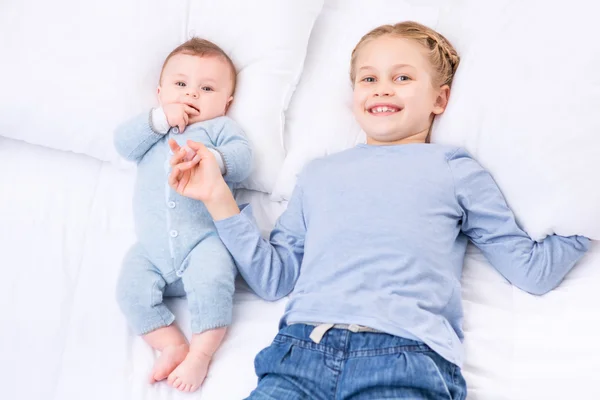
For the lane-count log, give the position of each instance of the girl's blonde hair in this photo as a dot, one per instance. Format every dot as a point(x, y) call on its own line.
point(442, 55)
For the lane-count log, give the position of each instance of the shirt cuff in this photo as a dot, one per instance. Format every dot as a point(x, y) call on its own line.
point(159, 121)
point(219, 158)
point(245, 215)
point(584, 241)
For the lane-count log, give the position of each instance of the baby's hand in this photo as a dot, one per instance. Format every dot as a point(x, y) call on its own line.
point(189, 154)
point(179, 114)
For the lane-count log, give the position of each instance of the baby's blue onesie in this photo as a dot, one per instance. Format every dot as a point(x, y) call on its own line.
point(178, 251)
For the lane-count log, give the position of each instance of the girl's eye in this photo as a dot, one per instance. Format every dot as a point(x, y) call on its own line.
point(181, 84)
point(369, 79)
point(402, 78)
point(207, 89)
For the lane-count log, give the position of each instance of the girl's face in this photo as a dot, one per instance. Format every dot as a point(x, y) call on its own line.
point(394, 96)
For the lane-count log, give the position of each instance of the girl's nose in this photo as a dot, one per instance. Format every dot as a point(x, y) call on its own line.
point(192, 93)
point(383, 91)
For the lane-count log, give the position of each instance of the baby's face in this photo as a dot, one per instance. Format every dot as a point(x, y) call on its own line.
point(394, 98)
point(203, 83)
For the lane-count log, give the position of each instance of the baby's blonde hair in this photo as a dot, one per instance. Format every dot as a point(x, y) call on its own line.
point(442, 55)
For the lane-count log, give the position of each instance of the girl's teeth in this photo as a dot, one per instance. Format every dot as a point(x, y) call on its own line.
point(382, 109)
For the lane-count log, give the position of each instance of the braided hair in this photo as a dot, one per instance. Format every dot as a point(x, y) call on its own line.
point(442, 55)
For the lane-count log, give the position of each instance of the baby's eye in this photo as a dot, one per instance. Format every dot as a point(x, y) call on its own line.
point(368, 79)
point(181, 84)
point(402, 78)
point(207, 89)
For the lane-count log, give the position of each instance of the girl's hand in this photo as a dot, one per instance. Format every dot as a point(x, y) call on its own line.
point(201, 179)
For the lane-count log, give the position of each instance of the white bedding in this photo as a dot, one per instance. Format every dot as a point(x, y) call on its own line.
point(66, 223)
point(65, 219)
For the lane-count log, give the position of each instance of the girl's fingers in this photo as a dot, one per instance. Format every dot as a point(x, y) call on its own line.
point(178, 156)
point(173, 145)
point(174, 178)
point(200, 148)
point(183, 182)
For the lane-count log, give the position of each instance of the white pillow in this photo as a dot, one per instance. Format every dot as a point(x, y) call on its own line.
point(525, 103)
point(320, 120)
point(74, 70)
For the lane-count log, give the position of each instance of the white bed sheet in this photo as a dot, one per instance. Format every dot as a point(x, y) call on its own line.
point(65, 223)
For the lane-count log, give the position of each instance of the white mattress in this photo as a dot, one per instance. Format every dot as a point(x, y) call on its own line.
point(65, 223)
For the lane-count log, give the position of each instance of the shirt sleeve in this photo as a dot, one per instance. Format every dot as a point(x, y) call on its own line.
point(135, 137)
point(536, 267)
point(235, 151)
point(270, 267)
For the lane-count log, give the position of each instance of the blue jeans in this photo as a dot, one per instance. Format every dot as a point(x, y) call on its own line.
point(357, 366)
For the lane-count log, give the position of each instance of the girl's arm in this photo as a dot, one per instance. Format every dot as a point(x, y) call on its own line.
point(270, 267)
point(536, 267)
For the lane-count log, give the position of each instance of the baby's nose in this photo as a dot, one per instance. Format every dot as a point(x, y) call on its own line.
point(193, 93)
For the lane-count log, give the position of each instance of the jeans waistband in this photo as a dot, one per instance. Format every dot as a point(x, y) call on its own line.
point(321, 329)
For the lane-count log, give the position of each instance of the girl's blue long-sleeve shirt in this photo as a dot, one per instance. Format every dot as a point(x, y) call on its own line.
point(376, 236)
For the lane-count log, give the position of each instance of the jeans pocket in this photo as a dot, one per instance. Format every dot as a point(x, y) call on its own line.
point(270, 359)
point(439, 374)
point(451, 375)
point(459, 389)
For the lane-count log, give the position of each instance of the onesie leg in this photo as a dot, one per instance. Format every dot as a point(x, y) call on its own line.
point(209, 284)
point(140, 293)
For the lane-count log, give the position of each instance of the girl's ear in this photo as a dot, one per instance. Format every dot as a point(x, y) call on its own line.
point(441, 101)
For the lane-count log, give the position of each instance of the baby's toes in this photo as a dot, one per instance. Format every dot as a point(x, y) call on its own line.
point(177, 383)
point(171, 379)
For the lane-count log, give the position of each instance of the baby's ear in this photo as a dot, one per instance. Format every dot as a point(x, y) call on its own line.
point(228, 104)
point(441, 101)
point(158, 94)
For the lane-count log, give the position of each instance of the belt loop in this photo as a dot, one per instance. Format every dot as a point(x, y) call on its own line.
point(320, 330)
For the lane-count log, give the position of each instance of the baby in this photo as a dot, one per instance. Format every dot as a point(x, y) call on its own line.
point(178, 251)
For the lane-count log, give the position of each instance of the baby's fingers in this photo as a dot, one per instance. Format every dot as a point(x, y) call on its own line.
point(190, 110)
point(186, 120)
point(187, 165)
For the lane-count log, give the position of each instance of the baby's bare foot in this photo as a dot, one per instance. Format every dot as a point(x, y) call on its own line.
point(169, 359)
point(190, 374)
